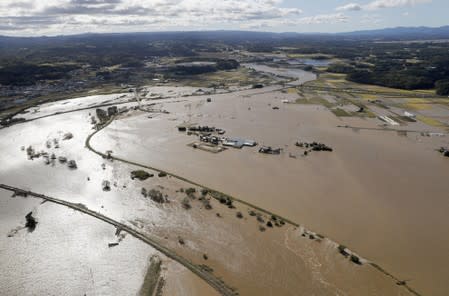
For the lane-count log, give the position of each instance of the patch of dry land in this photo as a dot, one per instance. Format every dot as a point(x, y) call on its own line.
point(368, 218)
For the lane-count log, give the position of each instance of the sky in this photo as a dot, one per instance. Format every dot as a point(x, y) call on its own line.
point(64, 17)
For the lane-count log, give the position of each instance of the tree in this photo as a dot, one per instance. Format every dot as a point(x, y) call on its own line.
point(442, 87)
point(340, 68)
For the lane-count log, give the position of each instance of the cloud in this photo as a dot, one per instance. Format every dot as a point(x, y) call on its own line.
point(100, 15)
point(349, 7)
point(309, 20)
point(324, 19)
point(380, 4)
point(22, 22)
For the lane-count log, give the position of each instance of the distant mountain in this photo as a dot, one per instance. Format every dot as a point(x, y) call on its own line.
point(401, 33)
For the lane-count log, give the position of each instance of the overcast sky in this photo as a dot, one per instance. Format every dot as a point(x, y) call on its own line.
point(52, 17)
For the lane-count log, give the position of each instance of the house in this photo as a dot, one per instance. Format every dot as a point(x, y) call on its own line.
point(239, 143)
point(233, 143)
point(269, 150)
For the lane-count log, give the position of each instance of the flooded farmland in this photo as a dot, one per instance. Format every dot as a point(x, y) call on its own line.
point(366, 195)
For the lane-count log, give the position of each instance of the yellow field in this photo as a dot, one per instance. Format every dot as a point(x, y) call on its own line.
point(430, 121)
point(367, 97)
point(418, 106)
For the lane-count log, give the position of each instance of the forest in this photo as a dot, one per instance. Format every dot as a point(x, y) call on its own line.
point(367, 59)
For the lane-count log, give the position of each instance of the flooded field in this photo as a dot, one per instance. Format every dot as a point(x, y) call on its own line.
point(372, 193)
point(381, 194)
point(66, 254)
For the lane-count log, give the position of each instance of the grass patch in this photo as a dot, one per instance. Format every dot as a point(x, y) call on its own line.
point(151, 278)
point(340, 112)
point(368, 96)
point(430, 121)
point(369, 114)
point(403, 118)
point(337, 76)
point(314, 101)
point(418, 106)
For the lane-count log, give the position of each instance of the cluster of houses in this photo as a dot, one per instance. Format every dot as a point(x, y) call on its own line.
point(228, 142)
point(211, 139)
point(212, 136)
point(269, 150)
point(204, 130)
point(239, 143)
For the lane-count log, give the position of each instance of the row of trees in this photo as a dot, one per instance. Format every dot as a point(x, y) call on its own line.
point(195, 69)
point(442, 87)
point(28, 74)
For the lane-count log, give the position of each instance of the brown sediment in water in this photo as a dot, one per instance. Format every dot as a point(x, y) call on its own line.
point(179, 281)
point(315, 279)
point(278, 261)
point(333, 193)
point(373, 183)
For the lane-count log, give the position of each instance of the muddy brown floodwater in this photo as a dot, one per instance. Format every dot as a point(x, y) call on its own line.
point(383, 195)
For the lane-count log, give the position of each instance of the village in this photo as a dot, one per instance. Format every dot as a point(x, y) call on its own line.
point(211, 139)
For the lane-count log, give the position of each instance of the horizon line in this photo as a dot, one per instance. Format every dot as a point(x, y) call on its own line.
point(225, 30)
